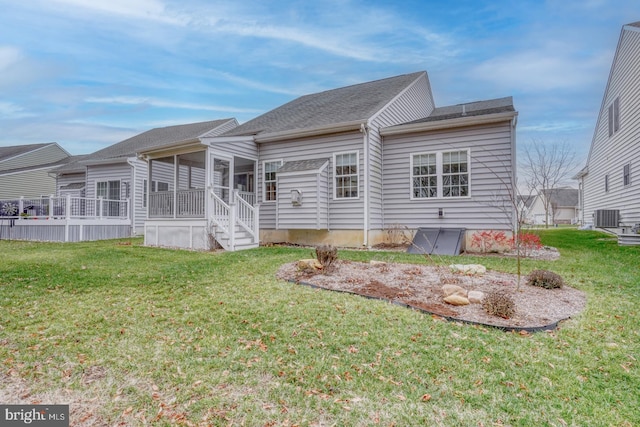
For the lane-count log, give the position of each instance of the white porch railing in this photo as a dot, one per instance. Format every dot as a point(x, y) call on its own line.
point(230, 219)
point(189, 203)
point(63, 207)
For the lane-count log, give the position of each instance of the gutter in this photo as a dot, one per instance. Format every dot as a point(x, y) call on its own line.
point(449, 123)
point(365, 183)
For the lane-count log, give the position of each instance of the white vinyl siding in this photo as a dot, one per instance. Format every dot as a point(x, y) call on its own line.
point(312, 212)
point(490, 174)
point(344, 214)
point(29, 183)
point(346, 175)
point(45, 155)
point(414, 103)
point(609, 152)
point(626, 175)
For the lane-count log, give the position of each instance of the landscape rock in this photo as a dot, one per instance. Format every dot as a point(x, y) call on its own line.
point(469, 269)
point(309, 264)
point(475, 297)
point(456, 299)
point(374, 262)
point(448, 290)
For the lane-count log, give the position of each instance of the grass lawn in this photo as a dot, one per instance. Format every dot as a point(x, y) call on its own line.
point(130, 335)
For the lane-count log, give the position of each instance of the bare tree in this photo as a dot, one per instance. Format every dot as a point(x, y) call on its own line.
point(546, 166)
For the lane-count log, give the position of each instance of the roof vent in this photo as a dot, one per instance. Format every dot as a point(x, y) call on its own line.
point(464, 109)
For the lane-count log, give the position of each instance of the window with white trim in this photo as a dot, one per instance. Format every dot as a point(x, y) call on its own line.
point(270, 190)
point(346, 175)
point(614, 116)
point(424, 176)
point(440, 174)
point(626, 175)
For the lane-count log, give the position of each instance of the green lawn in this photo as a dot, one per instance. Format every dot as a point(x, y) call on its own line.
point(137, 336)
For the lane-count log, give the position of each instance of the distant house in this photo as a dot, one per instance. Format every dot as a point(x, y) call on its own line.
point(609, 182)
point(116, 173)
point(344, 167)
point(524, 207)
point(25, 169)
point(563, 207)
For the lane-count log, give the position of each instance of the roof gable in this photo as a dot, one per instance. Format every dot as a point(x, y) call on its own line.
point(343, 105)
point(155, 138)
point(563, 197)
point(17, 150)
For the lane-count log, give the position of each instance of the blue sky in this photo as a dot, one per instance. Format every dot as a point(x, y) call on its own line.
point(90, 73)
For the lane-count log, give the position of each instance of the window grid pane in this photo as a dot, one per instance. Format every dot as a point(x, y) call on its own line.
point(346, 175)
point(270, 168)
point(424, 178)
point(455, 175)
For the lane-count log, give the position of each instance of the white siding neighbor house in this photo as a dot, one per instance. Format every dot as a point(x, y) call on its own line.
point(25, 169)
point(116, 172)
point(610, 182)
point(563, 207)
point(341, 167)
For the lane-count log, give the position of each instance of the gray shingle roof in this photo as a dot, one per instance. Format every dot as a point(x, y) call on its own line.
point(155, 138)
point(526, 200)
point(15, 150)
point(477, 108)
point(302, 165)
point(342, 105)
point(563, 197)
point(635, 24)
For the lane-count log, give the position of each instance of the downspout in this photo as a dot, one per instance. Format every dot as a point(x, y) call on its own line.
point(365, 184)
point(132, 197)
point(515, 220)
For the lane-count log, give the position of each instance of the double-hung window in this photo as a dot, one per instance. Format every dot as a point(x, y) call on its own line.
point(270, 168)
point(626, 175)
point(424, 175)
point(346, 175)
point(440, 174)
point(614, 116)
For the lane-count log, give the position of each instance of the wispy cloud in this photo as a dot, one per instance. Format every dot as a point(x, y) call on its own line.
point(151, 10)
point(159, 103)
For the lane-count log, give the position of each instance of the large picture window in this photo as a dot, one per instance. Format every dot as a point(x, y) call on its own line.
point(440, 174)
point(270, 191)
point(346, 175)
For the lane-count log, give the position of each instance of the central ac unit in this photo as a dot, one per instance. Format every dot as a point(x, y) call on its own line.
point(606, 218)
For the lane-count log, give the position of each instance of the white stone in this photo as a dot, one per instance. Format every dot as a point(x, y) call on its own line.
point(456, 299)
point(475, 297)
point(469, 269)
point(453, 290)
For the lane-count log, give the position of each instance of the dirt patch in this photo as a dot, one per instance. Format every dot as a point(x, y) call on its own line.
point(420, 286)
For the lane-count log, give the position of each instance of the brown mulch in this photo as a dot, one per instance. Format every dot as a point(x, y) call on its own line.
point(419, 286)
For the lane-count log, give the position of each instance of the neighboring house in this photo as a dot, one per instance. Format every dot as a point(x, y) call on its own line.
point(343, 167)
point(563, 205)
point(524, 208)
point(116, 173)
point(24, 169)
point(610, 182)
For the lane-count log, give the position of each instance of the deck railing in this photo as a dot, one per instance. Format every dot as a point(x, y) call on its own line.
point(190, 204)
point(63, 207)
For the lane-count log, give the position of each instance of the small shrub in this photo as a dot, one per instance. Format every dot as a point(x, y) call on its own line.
point(326, 255)
point(490, 241)
point(528, 242)
point(545, 279)
point(499, 303)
